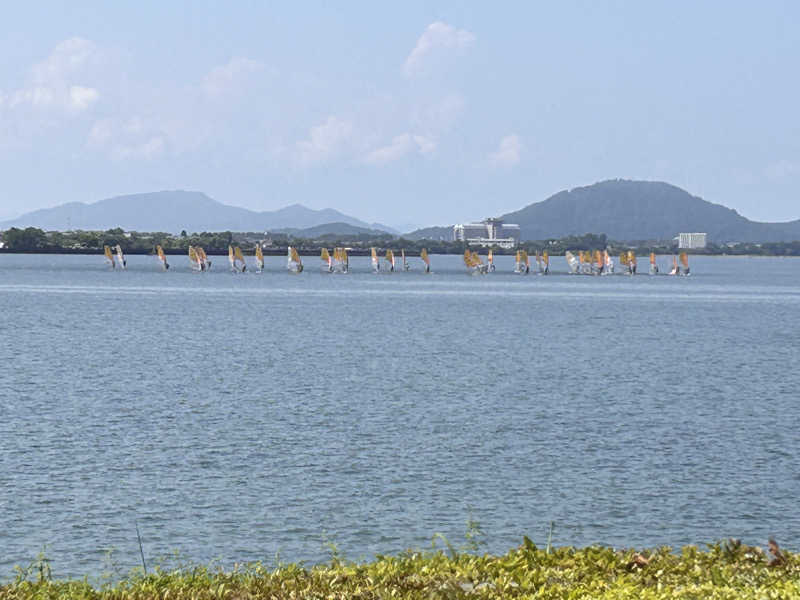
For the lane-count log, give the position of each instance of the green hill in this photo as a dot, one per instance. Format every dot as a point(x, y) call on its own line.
point(641, 210)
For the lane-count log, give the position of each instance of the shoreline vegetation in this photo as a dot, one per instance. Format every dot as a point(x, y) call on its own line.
point(726, 569)
point(36, 241)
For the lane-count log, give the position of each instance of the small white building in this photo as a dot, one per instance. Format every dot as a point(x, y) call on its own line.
point(690, 241)
point(490, 232)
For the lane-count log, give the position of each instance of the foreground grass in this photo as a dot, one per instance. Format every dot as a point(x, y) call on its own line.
point(728, 570)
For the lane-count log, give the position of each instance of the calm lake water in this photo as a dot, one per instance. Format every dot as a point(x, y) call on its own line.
point(239, 416)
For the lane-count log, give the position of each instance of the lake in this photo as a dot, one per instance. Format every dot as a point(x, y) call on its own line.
point(236, 417)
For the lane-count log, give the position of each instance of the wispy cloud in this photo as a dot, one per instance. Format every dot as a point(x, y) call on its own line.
point(132, 138)
point(508, 152)
point(230, 77)
point(437, 37)
point(325, 142)
point(56, 83)
point(402, 145)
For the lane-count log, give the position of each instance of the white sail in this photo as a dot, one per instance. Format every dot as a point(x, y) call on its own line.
point(121, 258)
point(376, 264)
point(294, 264)
point(572, 262)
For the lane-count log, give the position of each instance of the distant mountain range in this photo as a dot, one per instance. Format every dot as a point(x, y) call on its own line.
point(174, 211)
point(623, 210)
point(634, 210)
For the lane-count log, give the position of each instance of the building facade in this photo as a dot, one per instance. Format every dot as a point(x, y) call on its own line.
point(490, 232)
point(689, 241)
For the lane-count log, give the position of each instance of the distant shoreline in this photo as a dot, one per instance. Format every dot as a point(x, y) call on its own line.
point(306, 252)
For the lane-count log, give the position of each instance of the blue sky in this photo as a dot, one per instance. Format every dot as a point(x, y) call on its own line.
point(417, 113)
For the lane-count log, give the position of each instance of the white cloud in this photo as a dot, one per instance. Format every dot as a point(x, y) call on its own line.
point(402, 145)
point(426, 145)
point(55, 83)
point(508, 153)
point(436, 36)
point(132, 138)
point(228, 77)
point(82, 97)
point(326, 141)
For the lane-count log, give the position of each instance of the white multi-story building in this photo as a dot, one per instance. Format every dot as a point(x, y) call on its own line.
point(691, 241)
point(491, 232)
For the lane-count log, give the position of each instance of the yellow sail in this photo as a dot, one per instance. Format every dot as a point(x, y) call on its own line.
point(230, 254)
point(524, 257)
point(390, 256)
point(423, 254)
point(160, 252)
point(295, 256)
point(259, 254)
point(490, 258)
point(238, 253)
point(193, 256)
point(685, 260)
point(623, 258)
point(546, 257)
point(325, 255)
point(374, 254)
point(468, 258)
point(598, 259)
point(107, 252)
point(631, 258)
point(201, 254)
point(652, 258)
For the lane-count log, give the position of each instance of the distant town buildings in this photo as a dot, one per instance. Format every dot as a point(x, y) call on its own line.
point(689, 241)
point(490, 232)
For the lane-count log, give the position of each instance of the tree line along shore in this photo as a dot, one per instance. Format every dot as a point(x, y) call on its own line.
point(33, 240)
point(726, 570)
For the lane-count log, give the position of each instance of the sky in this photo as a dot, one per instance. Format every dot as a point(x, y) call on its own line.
point(408, 114)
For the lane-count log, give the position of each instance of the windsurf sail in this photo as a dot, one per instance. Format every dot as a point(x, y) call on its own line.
point(608, 263)
point(294, 264)
point(406, 266)
point(632, 262)
point(232, 258)
point(490, 260)
point(109, 256)
point(240, 263)
point(426, 259)
point(259, 258)
point(341, 263)
point(572, 262)
point(684, 258)
point(546, 262)
point(205, 264)
point(327, 261)
point(195, 261)
point(675, 269)
point(599, 263)
point(162, 257)
point(526, 262)
point(123, 263)
point(376, 264)
point(653, 265)
point(390, 259)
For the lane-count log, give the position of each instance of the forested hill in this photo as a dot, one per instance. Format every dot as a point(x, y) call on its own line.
point(641, 210)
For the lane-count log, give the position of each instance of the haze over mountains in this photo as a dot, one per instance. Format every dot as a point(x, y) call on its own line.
point(634, 210)
point(173, 211)
point(622, 209)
